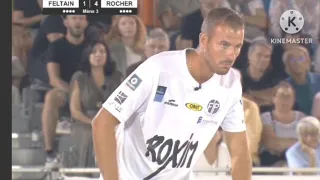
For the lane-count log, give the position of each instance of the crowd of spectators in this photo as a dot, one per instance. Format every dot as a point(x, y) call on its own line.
point(82, 59)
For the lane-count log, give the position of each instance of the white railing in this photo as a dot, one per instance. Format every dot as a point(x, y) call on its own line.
point(17, 169)
point(199, 174)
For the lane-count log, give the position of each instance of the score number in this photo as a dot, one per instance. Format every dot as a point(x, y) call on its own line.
point(96, 3)
point(90, 6)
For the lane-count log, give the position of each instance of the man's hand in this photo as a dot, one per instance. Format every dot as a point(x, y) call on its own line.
point(241, 162)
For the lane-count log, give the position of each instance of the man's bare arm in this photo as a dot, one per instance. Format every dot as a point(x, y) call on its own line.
point(241, 162)
point(104, 140)
point(54, 77)
point(18, 18)
point(212, 150)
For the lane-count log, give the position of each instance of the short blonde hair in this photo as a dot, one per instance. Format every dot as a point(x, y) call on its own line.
point(293, 50)
point(308, 124)
point(158, 33)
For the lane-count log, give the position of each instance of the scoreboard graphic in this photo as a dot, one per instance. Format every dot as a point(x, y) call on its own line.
point(87, 7)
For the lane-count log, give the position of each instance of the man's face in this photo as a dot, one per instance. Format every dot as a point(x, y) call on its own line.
point(297, 63)
point(155, 46)
point(222, 49)
point(260, 57)
point(207, 5)
point(76, 24)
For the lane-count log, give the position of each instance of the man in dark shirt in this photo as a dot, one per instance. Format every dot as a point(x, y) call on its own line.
point(259, 81)
point(191, 24)
point(63, 60)
point(50, 30)
point(27, 13)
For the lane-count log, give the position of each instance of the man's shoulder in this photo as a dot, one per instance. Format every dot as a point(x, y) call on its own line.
point(316, 76)
point(166, 59)
point(231, 79)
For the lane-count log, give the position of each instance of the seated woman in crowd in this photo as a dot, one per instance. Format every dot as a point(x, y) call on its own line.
point(306, 84)
point(279, 127)
point(306, 152)
point(126, 40)
point(91, 86)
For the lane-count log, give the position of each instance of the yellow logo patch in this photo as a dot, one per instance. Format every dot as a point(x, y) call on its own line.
point(194, 106)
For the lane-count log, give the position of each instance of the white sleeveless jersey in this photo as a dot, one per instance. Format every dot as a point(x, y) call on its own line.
point(165, 123)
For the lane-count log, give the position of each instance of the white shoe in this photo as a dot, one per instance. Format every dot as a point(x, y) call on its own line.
point(51, 163)
point(63, 127)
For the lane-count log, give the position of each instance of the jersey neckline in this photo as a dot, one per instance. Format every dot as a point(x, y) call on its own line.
point(191, 79)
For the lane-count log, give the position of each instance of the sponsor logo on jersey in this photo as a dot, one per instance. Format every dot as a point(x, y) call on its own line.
point(134, 82)
point(161, 90)
point(115, 105)
point(204, 121)
point(120, 97)
point(213, 106)
point(171, 102)
point(169, 152)
point(194, 106)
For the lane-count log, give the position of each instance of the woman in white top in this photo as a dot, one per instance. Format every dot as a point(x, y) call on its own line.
point(126, 40)
point(279, 127)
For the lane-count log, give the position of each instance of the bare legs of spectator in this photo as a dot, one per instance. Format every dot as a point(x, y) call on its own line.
point(55, 99)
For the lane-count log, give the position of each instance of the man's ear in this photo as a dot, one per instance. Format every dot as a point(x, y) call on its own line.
point(203, 40)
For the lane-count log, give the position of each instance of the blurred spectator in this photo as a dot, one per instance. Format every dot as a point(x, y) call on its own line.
point(279, 49)
point(157, 42)
point(191, 24)
point(90, 88)
point(254, 128)
point(96, 32)
point(306, 152)
point(310, 10)
point(279, 129)
point(316, 106)
point(317, 61)
point(306, 84)
point(28, 14)
point(18, 72)
point(126, 40)
point(63, 60)
point(254, 15)
point(171, 12)
point(259, 81)
point(106, 20)
point(50, 30)
point(21, 44)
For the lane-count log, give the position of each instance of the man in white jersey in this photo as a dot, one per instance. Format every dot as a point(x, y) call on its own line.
point(159, 121)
